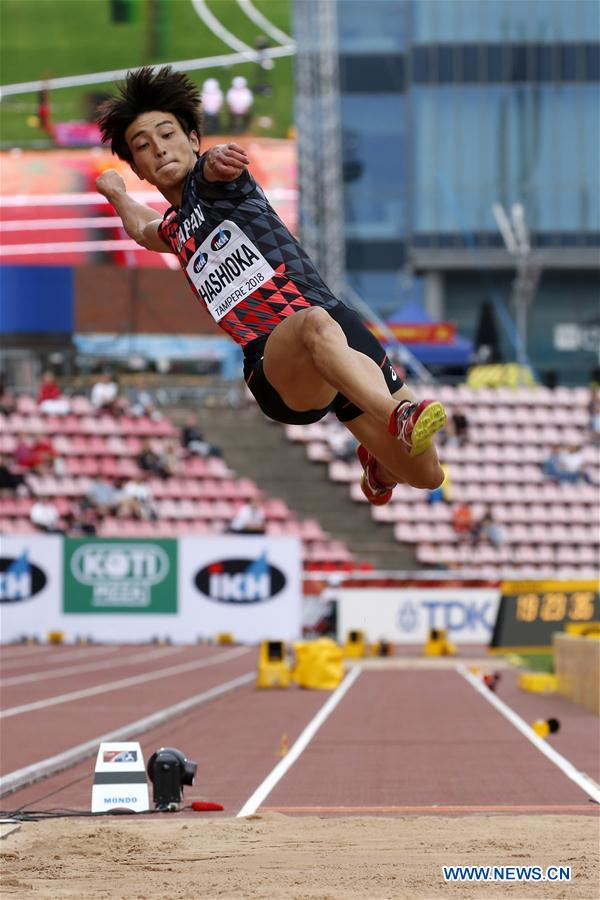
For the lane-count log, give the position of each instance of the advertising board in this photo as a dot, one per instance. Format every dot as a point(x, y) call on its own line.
point(406, 615)
point(249, 586)
point(30, 585)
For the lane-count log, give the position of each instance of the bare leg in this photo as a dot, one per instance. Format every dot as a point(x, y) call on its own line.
point(308, 361)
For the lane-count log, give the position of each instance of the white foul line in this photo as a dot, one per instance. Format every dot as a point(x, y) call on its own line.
point(264, 789)
point(35, 772)
point(123, 683)
point(581, 779)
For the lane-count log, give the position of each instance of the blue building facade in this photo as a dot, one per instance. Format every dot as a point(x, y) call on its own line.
point(450, 106)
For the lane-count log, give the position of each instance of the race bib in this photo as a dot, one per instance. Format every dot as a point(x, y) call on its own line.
point(227, 268)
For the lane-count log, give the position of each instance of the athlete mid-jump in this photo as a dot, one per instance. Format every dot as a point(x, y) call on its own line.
point(305, 352)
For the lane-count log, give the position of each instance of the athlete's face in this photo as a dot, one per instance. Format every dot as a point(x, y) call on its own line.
point(163, 153)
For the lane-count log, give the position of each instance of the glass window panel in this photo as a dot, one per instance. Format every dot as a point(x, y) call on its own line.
point(384, 291)
point(375, 200)
point(444, 21)
point(534, 144)
point(372, 26)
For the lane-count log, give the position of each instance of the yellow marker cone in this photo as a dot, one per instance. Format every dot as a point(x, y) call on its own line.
point(544, 727)
point(284, 745)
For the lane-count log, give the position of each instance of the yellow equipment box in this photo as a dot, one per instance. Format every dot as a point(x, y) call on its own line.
point(273, 665)
point(355, 645)
point(438, 645)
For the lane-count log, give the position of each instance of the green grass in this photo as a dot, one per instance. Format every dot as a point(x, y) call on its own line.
point(52, 38)
point(535, 662)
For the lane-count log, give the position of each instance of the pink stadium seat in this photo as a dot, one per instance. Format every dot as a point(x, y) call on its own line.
point(81, 406)
point(26, 405)
point(276, 509)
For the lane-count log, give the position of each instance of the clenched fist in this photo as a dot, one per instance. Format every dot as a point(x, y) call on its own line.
point(110, 183)
point(225, 162)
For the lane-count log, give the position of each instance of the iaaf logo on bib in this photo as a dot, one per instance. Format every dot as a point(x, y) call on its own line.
point(200, 262)
point(20, 579)
point(220, 240)
point(240, 580)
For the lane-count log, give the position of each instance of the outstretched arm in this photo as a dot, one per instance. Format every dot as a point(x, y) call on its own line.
point(140, 222)
point(224, 162)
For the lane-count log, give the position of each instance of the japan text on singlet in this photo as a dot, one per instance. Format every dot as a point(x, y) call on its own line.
point(240, 259)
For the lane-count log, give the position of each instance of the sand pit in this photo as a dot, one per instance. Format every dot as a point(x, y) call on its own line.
point(274, 856)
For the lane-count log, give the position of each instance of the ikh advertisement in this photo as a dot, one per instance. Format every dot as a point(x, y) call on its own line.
point(250, 586)
point(30, 586)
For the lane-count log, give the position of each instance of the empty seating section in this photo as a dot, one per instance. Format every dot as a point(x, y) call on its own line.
point(545, 526)
point(200, 499)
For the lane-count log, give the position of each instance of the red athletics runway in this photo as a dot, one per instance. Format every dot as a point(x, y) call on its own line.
point(399, 740)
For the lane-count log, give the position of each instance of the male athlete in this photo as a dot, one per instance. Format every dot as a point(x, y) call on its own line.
point(305, 352)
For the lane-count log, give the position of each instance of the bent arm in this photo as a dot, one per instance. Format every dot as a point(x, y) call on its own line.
point(140, 222)
point(224, 162)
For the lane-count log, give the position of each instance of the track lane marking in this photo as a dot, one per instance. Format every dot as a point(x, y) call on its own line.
point(86, 667)
point(12, 781)
point(13, 661)
point(582, 780)
point(123, 683)
point(301, 743)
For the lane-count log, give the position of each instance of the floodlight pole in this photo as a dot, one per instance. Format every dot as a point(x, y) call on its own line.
point(528, 269)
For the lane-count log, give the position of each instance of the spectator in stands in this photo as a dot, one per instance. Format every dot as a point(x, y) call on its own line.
point(550, 466)
point(212, 103)
point(11, 481)
point(239, 104)
point(249, 519)
point(136, 500)
point(169, 460)
point(193, 441)
point(147, 459)
point(458, 428)
point(487, 529)
point(595, 415)
point(143, 402)
point(342, 445)
point(102, 496)
point(571, 466)
point(24, 457)
point(50, 398)
point(462, 521)
point(8, 401)
point(153, 464)
point(43, 454)
point(45, 516)
point(81, 521)
point(104, 394)
point(566, 466)
point(443, 493)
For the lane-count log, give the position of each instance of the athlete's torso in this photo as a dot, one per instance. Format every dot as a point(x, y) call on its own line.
point(241, 261)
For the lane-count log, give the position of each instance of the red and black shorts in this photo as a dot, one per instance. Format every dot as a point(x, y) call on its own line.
point(359, 338)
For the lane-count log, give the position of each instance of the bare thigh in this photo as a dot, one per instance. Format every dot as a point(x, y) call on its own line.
point(421, 471)
point(289, 368)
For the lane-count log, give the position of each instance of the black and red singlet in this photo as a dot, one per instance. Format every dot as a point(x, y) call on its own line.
point(242, 262)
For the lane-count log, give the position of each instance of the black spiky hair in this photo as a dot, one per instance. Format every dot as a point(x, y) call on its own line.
point(146, 90)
